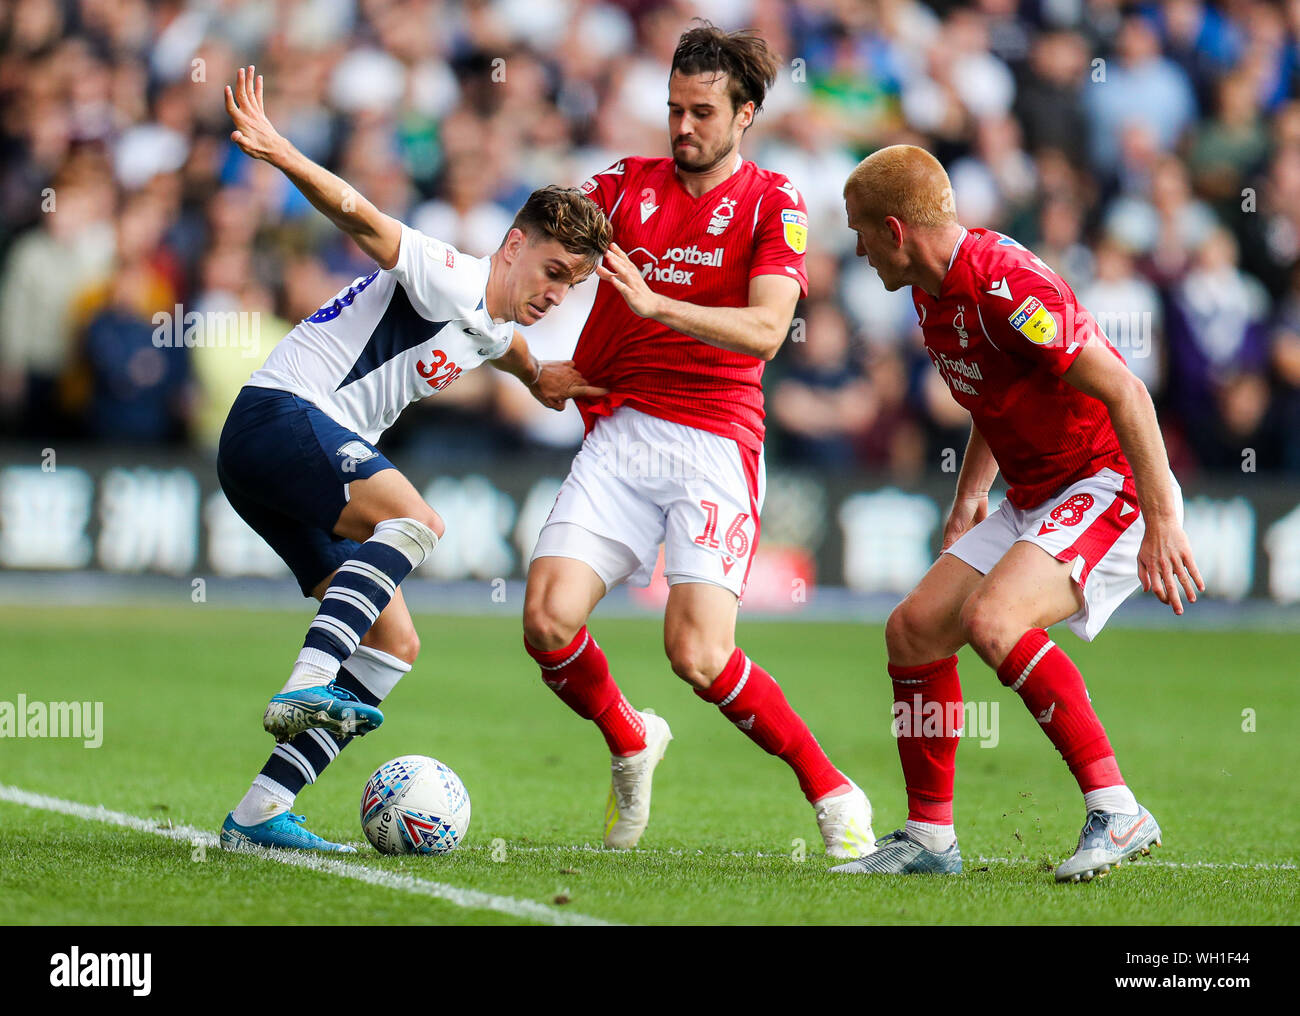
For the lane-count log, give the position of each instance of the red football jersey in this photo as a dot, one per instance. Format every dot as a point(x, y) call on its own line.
point(702, 250)
point(1002, 332)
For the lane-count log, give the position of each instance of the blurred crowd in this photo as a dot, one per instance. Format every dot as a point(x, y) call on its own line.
point(1150, 153)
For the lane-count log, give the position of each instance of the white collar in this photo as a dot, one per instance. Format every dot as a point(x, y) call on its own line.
point(956, 248)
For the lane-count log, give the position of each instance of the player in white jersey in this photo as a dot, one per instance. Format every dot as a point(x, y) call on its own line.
point(297, 458)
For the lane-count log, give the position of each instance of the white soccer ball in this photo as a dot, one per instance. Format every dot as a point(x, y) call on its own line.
point(414, 805)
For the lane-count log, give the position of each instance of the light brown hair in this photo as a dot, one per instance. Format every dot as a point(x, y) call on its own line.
point(568, 216)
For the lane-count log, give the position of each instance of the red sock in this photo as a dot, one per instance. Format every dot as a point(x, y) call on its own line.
point(1052, 688)
point(579, 674)
point(927, 716)
point(753, 701)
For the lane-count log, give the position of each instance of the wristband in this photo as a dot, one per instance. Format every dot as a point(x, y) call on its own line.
point(533, 382)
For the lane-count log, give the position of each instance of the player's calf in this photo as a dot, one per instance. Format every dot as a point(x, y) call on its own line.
point(369, 675)
point(750, 698)
point(1052, 688)
point(927, 750)
point(360, 590)
point(578, 673)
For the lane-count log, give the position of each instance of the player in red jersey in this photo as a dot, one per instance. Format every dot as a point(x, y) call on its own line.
point(697, 293)
point(1091, 512)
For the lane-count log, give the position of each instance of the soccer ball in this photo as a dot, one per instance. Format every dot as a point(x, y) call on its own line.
point(414, 805)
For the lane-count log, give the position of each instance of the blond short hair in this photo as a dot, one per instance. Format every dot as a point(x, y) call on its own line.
point(903, 181)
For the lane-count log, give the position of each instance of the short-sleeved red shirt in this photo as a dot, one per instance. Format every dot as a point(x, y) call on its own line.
point(1002, 332)
point(701, 250)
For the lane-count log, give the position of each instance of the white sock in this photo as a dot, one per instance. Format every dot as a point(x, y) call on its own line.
point(377, 670)
point(936, 838)
point(312, 669)
point(265, 799)
point(1118, 799)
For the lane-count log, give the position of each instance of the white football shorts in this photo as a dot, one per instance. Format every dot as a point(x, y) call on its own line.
point(1096, 523)
point(638, 482)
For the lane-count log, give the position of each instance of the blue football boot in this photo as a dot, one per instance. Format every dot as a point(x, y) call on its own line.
point(327, 706)
point(284, 832)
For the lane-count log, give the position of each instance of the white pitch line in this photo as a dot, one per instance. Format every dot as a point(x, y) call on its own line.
point(1156, 862)
point(475, 899)
point(470, 899)
point(588, 848)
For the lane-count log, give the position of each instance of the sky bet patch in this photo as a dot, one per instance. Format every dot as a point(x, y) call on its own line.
point(1034, 321)
point(796, 229)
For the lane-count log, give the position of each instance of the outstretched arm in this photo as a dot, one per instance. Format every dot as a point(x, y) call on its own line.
point(1165, 558)
point(377, 234)
point(758, 329)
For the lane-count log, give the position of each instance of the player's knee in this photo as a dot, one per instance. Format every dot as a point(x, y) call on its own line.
point(913, 631)
point(402, 642)
point(421, 513)
point(543, 629)
point(415, 538)
point(902, 630)
point(697, 662)
point(984, 625)
point(406, 647)
point(430, 519)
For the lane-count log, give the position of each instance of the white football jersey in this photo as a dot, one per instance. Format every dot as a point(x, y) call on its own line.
point(391, 338)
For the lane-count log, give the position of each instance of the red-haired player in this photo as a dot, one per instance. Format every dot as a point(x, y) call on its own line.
point(1092, 509)
point(697, 293)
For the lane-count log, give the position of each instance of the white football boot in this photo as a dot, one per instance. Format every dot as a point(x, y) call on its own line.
point(627, 810)
point(1109, 839)
point(845, 822)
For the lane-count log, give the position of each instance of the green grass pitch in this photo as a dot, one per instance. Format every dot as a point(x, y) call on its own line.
point(183, 691)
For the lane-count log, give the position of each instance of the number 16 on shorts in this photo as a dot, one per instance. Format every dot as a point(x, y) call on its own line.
point(735, 542)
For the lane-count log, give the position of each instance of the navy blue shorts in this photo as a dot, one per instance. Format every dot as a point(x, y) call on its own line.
point(285, 467)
